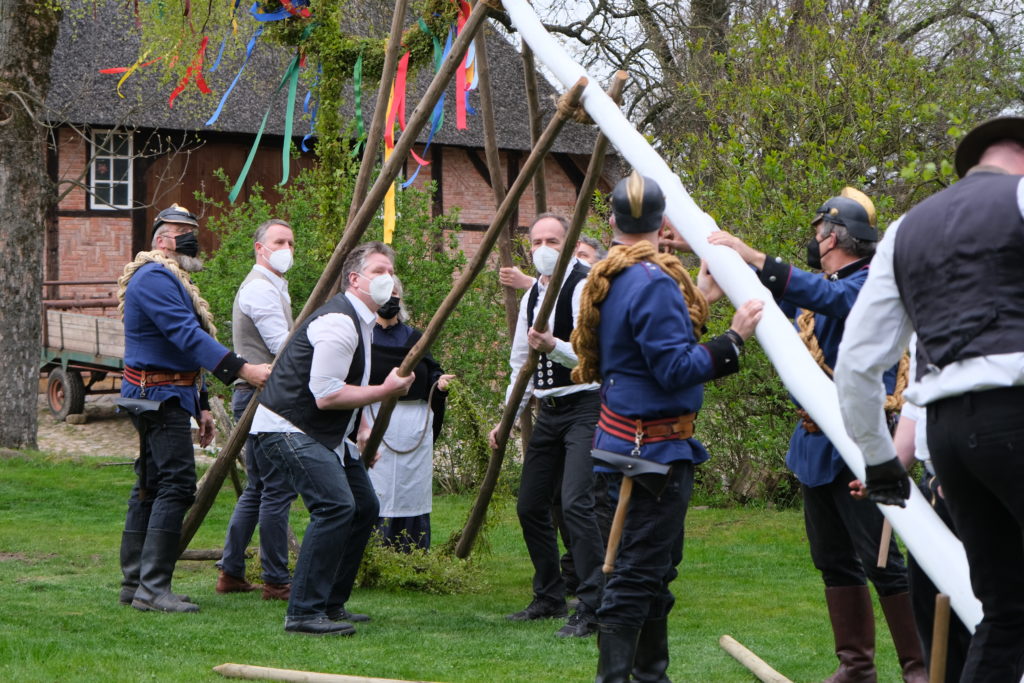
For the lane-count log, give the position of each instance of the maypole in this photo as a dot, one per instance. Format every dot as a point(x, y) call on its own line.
point(934, 546)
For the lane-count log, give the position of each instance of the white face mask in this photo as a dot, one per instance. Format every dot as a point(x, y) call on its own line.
point(381, 288)
point(544, 259)
point(281, 260)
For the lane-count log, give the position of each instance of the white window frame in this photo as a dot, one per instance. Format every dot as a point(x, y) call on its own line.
point(100, 154)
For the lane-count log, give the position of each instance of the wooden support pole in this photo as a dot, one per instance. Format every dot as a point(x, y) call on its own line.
point(940, 640)
point(353, 233)
point(266, 673)
point(387, 75)
point(540, 191)
point(477, 514)
point(497, 177)
point(476, 264)
point(755, 664)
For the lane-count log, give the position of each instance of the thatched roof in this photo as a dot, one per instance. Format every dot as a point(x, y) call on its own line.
point(108, 37)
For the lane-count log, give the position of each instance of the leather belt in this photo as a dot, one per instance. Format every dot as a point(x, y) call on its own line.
point(649, 431)
point(155, 378)
point(564, 400)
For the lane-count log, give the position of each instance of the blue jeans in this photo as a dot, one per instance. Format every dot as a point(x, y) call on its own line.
point(266, 500)
point(166, 470)
point(844, 533)
point(342, 511)
point(650, 549)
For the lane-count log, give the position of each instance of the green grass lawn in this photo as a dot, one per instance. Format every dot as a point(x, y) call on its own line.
point(746, 572)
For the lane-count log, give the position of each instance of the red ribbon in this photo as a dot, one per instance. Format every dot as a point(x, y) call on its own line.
point(196, 68)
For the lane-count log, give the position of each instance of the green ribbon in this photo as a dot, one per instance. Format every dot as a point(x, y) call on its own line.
point(290, 73)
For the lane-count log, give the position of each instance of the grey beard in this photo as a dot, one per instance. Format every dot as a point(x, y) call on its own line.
point(190, 264)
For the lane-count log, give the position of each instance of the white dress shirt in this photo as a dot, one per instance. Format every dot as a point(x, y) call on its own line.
point(334, 339)
point(260, 300)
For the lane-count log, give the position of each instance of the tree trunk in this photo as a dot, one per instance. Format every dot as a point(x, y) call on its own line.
point(28, 33)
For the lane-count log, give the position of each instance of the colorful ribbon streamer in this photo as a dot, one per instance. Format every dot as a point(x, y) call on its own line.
point(290, 76)
point(248, 53)
point(195, 69)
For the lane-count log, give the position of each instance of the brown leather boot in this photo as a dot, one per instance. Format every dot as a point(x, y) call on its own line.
point(853, 625)
point(277, 591)
point(900, 617)
point(226, 583)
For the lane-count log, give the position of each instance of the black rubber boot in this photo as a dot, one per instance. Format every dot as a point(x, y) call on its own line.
point(159, 555)
point(900, 617)
point(616, 646)
point(853, 625)
point(651, 662)
point(131, 561)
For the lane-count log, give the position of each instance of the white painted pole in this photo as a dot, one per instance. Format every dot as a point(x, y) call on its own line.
point(935, 548)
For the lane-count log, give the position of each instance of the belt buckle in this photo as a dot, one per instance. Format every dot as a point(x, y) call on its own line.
point(550, 401)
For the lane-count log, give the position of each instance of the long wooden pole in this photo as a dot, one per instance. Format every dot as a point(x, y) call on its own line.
point(755, 664)
point(353, 233)
point(940, 640)
point(479, 511)
point(540, 188)
point(497, 179)
point(477, 263)
point(266, 673)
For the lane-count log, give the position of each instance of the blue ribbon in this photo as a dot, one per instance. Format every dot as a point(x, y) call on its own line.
point(312, 115)
point(248, 53)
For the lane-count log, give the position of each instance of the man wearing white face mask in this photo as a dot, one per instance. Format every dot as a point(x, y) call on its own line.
point(261, 319)
point(307, 426)
point(558, 454)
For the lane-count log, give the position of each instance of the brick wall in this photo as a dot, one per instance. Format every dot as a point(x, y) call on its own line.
point(92, 245)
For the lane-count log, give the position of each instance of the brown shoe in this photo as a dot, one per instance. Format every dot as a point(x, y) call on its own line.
point(232, 584)
point(277, 591)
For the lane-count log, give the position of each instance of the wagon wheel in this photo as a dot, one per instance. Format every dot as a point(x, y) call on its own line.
point(65, 392)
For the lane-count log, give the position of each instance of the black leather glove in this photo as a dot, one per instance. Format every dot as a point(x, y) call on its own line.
point(888, 483)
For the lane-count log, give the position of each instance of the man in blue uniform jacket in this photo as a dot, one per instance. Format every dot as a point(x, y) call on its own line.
point(637, 335)
point(169, 339)
point(843, 533)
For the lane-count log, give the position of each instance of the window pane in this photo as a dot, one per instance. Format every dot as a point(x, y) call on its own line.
point(122, 145)
point(121, 168)
point(102, 191)
point(121, 194)
point(102, 170)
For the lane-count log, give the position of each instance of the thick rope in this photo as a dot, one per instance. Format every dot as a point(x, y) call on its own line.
point(144, 257)
point(494, 5)
point(893, 402)
point(598, 284)
point(577, 113)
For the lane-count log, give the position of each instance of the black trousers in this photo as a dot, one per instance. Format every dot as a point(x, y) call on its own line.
point(165, 486)
point(844, 535)
point(977, 446)
point(559, 454)
point(923, 592)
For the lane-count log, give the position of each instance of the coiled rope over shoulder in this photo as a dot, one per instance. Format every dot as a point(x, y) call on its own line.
point(805, 328)
point(156, 256)
point(598, 283)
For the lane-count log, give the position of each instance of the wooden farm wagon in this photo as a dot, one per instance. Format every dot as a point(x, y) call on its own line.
point(79, 350)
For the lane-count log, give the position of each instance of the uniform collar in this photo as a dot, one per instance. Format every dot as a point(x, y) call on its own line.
point(987, 168)
point(850, 268)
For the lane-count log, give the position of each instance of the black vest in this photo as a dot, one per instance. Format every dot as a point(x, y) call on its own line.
point(550, 374)
point(287, 391)
point(957, 261)
point(385, 358)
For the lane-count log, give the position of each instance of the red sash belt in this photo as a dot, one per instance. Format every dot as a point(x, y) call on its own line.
point(155, 378)
point(651, 431)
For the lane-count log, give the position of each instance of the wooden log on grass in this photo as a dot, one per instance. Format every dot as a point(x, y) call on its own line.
point(567, 104)
point(483, 499)
point(354, 231)
point(754, 664)
point(266, 673)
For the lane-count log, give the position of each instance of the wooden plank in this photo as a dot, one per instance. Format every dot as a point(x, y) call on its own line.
point(86, 333)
